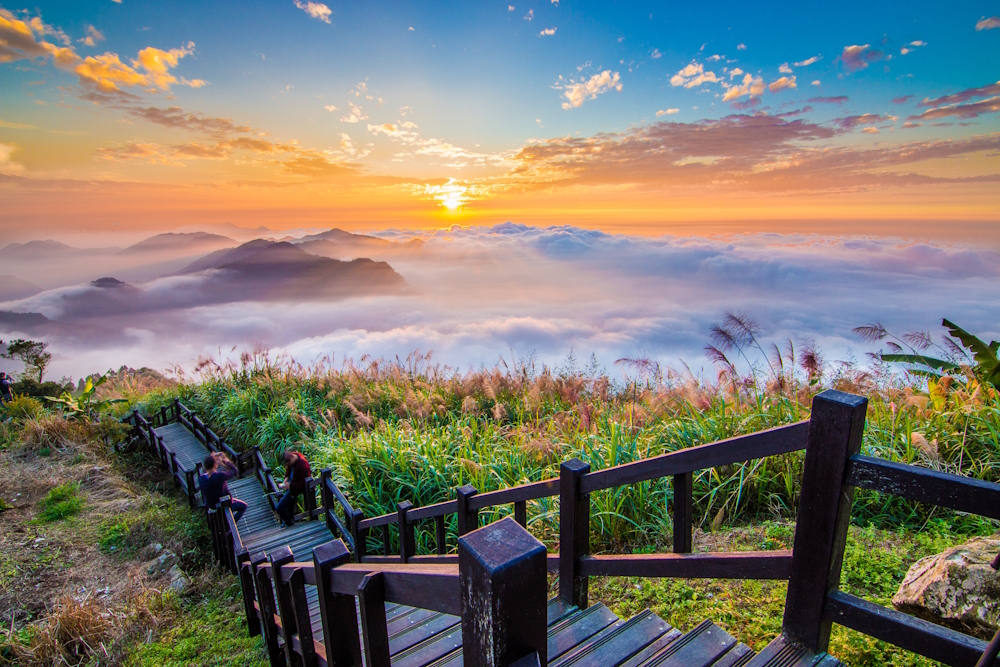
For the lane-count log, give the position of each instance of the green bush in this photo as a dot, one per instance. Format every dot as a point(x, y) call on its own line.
point(22, 407)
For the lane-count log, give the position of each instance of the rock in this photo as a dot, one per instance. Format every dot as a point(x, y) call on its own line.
point(162, 564)
point(178, 582)
point(956, 588)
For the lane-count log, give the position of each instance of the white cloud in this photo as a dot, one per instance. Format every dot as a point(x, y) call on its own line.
point(481, 292)
point(667, 112)
point(714, 58)
point(405, 110)
point(817, 82)
point(548, 32)
point(741, 47)
point(735, 72)
point(915, 44)
point(693, 75)
point(988, 23)
point(808, 61)
point(785, 69)
point(579, 92)
point(750, 86)
point(330, 107)
point(782, 83)
point(656, 55)
point(870, 130)
point(530, 15)
point(410, 29)
point(317, 10)
point(357, 114)
point(510, 8)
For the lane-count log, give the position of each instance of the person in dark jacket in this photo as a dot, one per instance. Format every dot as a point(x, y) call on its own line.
point(6, 394)
point(296, 472)
point(213, 483)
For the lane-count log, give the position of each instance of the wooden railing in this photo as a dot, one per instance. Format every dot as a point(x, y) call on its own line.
point(275, 587)
point(506, 596)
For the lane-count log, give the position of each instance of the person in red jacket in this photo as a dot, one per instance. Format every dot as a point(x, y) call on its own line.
point(296, 472)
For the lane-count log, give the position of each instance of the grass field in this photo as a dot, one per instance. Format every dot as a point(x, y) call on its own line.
point(415, 431)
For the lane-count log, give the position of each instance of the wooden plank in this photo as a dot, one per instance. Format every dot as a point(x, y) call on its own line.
point(740, 655)
point(701, 647)
point(376, 521)
point(406, 621)
point(836, 427)
point(770, 442)
point(725, 565)
point(617, 642)
point(533, 491)
point(430, 651)
point(908, 632)
point(964, 494)
point(419, 633)
point(578, 628)
point(654, 647)
point(432, 511)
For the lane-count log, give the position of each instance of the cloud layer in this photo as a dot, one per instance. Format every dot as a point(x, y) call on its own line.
point(479, 293)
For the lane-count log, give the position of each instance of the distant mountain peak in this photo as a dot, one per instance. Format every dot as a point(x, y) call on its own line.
point(108, 283)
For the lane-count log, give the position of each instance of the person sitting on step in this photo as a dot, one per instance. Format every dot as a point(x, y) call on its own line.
point(296, 472)
point(213, 483)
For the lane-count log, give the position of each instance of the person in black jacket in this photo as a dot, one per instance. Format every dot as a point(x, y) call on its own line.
point(213, 483)
point(6, 394)
point(296, 472)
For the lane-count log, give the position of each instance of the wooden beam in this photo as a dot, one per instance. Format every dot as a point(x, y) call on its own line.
point(729, 565)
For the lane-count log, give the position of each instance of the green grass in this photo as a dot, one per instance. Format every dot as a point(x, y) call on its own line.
point(59, 503)
point(208, 630)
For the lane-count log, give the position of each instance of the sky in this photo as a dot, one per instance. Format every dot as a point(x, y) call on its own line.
point(122, 118)
point(554, 175)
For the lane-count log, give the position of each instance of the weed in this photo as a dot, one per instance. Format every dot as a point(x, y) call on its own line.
point(61, 502)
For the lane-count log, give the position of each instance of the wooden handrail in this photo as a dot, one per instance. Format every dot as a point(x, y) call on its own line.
point(931, 487)
point(773, 441)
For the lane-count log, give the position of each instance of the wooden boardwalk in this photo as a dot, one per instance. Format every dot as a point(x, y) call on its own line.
point(310, 602)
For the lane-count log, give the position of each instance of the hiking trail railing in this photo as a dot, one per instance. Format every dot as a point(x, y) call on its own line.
point(497, 577)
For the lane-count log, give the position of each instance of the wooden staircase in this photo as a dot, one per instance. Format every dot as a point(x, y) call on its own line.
point(320, 599)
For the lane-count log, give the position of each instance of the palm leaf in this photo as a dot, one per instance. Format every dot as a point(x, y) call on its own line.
point(985, 355)
point(930, 362)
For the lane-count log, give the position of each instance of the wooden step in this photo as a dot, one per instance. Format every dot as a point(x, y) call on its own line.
point(706, 645)
point(616, 643)
point(783, 653)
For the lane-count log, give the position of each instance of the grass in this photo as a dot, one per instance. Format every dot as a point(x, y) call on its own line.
point(61, 502)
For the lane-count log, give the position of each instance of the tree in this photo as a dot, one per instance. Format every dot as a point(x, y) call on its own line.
point(31, 353)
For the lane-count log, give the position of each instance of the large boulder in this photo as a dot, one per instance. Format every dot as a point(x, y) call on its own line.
point(956, 588)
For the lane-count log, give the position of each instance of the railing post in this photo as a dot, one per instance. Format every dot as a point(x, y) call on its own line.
point(683, 512)
point(173, 468)
point(213, 529)
point(501, 570)
point(439, 535)
point(836, 428)
point(303, 622)
point(407, 541)
point(282, 592)
point(385, 539)
point(574, 532)
point(189, 478)
point(246, 585)
point(327, 499)
point(163, 415)
point(360, 536)
point(340, 621)
point(265, 603)
point(521, 513)
point(229, 549)
point(177, 409)
point(468, 519)
point(309, 499)
point(371, 600)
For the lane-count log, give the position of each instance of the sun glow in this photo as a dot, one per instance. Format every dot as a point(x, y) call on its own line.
point(451, 195)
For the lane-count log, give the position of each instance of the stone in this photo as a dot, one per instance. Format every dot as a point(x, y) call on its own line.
point(178, 581)
point(956, 588)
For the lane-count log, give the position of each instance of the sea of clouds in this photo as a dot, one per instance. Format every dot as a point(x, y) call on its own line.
point(482, 293)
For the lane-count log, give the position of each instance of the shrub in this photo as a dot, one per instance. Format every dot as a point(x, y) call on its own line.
point(22, 407)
